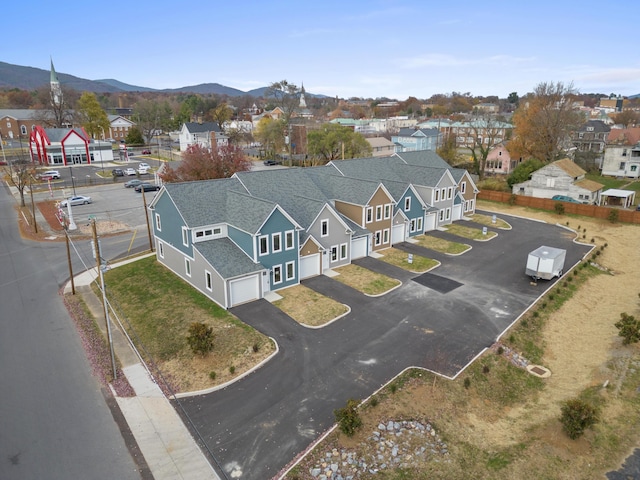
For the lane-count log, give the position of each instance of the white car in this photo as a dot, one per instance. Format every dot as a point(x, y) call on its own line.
point(143, 168)
point(129, 171)
point(77, 200)
point(144, 165)
point(49, 174)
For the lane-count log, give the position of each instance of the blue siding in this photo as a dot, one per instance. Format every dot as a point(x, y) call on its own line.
point(415, 211)
point(171, 223)
point(278, 223)
point(242, 239)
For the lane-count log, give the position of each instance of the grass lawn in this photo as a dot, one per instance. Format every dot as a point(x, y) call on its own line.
point(308, 307)
point(488, 221)
point(468, 232)
point(441, 245)
point(400, 259)
point(608, 182)
point(159, 307)
point(366, 281)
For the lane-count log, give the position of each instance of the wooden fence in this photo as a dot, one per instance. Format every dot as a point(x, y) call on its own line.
point(624, 215)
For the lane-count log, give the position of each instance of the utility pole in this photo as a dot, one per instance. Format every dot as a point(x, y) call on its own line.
point(73, 285)
point(33, 208)
point(105, 307)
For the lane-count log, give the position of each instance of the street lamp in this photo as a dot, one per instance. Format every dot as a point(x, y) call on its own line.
point(73, 183)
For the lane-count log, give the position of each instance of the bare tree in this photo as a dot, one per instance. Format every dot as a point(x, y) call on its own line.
point(286, 96)
point(20, 174)
point(486, 131)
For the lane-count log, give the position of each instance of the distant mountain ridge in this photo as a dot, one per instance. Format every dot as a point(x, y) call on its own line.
point(31, 78)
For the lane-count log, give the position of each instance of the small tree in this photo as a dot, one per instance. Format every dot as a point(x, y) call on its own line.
point(559, 208)
point(628, 328)
point(348, 417)
point(577, 415)
point(200, 338)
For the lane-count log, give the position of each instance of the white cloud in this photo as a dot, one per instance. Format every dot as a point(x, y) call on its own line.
point(445, 60)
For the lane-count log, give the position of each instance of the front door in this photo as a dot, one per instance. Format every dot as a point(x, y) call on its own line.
point(76, 159)
point(266, 284)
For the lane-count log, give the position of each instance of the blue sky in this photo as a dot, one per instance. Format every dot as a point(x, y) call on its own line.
point(349, 48)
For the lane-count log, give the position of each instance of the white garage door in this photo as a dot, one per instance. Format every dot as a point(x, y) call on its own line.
point(430, 222)
point(457, 212)
point(397, 234)
point(359, 247)
point(309, 266)
point(244, 290)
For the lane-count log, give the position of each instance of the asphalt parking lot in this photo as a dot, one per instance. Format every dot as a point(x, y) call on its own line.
point(259, 424)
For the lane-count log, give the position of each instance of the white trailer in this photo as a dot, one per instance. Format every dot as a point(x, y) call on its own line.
point(545, 262)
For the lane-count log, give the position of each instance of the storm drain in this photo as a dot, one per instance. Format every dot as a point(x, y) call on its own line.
point(437, 283)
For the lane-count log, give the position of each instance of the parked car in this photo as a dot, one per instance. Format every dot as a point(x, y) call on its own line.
point(76, 200)
point(146, 152)
point(143, 170)
point(117, 172)
point(132, 183)
point(564, 198)
point(129, 171)
point(144, 165)
point(49, 175)
point(147, 187)
point(271, 162)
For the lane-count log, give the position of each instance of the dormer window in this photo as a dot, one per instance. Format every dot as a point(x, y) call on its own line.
point(589, 129)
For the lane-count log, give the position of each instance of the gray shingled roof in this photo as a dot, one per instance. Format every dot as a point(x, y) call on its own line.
point(22, 113)
point(228, 260)
point(424, 158)
point(56, 135)
point(209, 202)
point(204, 127)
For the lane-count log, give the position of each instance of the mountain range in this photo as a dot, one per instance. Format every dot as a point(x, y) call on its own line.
point(30, 78)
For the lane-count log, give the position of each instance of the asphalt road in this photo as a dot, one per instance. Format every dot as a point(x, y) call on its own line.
point(259, 424)
point(54, 419)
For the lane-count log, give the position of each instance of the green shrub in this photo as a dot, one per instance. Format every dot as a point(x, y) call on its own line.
point(628, 328)
point(576, 416)
point(348, 418)
point(467, 383)
point(256, 347)
point(486, 369)
point(613, 215)
point(374, 401)
point(559, 208)
point(212, 375)
point(500, 350)
point(393, 388)
point(200, 338)
point(232, 369)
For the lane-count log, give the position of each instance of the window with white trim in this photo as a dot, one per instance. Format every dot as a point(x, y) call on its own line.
point(369, 214)
point(412, 225)
point(442, 215)
point(187, 267)
point(387, 211)
point(290, 271)
point(419, 224)
point(334, 253)
point(385, 235)
point(378, 213)
point(161, 249)
point(377, 237)
point(448, 214)
point(443, 194)
point(407, 204)
point(437, 196)
point(450, 193)
point(276, 242)
point(208, 282)
point(289, 240)
point(206, 233)
point(463, 187)
point(277, 274)
point(343, 251)
point(185, 236)
point(263, 241)
point(324, 228)
point(158, 223)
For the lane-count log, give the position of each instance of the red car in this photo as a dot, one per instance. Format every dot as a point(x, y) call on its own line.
point(146, 152)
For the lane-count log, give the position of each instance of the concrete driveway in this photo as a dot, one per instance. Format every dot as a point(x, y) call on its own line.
point(259, 424)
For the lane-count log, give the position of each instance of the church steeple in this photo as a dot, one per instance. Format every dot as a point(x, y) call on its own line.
point(303, 103)
point(56, 90)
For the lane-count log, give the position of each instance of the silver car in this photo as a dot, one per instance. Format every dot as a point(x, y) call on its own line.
point(77, 200)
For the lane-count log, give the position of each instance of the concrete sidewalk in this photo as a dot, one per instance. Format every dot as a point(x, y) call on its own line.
point(167, 445)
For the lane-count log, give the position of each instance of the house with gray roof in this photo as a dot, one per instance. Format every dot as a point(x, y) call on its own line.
point(236, 239)
point(206, 134)
point(411, 139)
